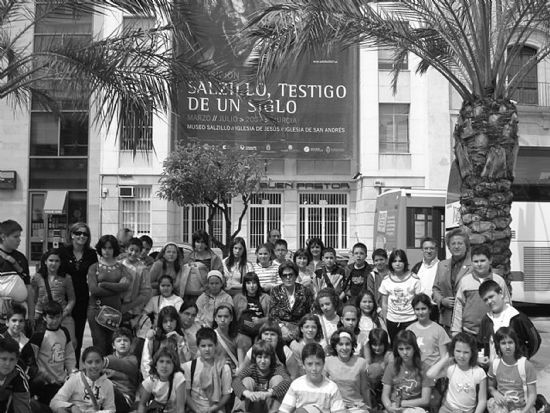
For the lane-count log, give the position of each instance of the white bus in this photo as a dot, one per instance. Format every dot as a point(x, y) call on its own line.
point(530, 245)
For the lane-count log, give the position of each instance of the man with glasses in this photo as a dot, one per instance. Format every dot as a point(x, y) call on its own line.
point(427, 269)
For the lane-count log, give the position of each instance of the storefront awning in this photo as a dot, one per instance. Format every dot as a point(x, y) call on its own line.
point(55, 202)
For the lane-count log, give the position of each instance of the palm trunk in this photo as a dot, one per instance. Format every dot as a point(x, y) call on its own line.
point(486, 147)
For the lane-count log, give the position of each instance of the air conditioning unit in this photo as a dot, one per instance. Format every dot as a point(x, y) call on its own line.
point(125, 191)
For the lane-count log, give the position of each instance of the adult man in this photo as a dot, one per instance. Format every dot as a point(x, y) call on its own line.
point(273, 235)
point(449, 273)
point(427, 269)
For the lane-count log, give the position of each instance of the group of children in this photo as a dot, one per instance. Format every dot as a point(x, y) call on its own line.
point(368, 344)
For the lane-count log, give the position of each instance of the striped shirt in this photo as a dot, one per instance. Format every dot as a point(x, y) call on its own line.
point(269, 276)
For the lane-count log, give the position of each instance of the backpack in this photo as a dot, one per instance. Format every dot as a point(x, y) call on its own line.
point(533, 337)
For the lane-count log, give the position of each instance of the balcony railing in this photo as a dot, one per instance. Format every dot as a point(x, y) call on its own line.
point(533, 94)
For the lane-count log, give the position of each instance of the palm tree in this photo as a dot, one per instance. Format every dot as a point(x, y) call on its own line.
point(123, 74)
point(474, 44)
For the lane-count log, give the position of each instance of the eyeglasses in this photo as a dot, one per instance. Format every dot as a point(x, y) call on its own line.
point(288, 275)
point(81, 233)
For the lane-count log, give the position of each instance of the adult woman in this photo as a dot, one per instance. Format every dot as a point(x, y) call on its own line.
point(108, 279)
point(315, 247)
point(199, 263)
point(290, 301)
point(235, 266)
point(169, 261)
point(79, 257)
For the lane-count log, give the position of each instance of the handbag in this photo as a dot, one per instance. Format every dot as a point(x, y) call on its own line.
point(246, 325)
point(157, 407)
point(108, 317)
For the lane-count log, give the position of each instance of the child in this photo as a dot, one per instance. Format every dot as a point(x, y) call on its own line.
point(357, 273)
point(348, 371)
point(369, 317)
point(212, 297)
point(251, 309)
point(16, 324)
point(431, 338)
point(49, 355)
point(207, 379)
point(469, 307)
point(263, 384)
point(398, 290)
point(146, 246)
point(350, 321)
point(331, 275)
point(165, 385)
point(467, 389)
point(327, 305)
point(14, 268)
point(380, 357)
point(14, 390)
point(512, 378)
point(315, 248)
point(236, 266)
point(169, 261)
point(190, 325)
point(267, 270)
point(305, 275)
point(405, 385)
point(309, 331)
point(87, 391)
point(313, 392)
point(108, 280)
point(271, 334)
point(225, 327)
point(52, 284)
point(122, 369)
point(380, 271)
point(168, 333)
point(139, 290)
point(502, 314)
point(281, 249)
point(166, 298)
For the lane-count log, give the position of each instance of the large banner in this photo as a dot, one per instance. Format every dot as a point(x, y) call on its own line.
point(311, 104)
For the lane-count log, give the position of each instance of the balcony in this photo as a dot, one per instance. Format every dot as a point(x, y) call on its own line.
point(533, 94)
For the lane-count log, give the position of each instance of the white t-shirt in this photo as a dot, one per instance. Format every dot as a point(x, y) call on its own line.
point(461, 394)
point(159, 390)
point(329, 326)
point(326, 397)
point(400, 294)
point(426, 274)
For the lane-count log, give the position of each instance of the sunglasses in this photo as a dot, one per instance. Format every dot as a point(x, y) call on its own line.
point(81, 233)
point(288, 275)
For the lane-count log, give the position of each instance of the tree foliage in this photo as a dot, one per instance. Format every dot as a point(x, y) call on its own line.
point(139, 67)
point(196, 174)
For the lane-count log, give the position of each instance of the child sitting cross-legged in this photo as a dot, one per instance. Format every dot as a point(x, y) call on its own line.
point(86, 391)
point(49, 355)
point(122, 369)
point(262, 385)
point(208, 378)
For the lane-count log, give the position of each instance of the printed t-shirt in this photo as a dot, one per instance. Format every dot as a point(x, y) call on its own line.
point(400, 294)
point(462, 392)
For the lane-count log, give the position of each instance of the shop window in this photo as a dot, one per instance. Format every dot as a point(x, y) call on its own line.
point(324, 216)
point(264, 215)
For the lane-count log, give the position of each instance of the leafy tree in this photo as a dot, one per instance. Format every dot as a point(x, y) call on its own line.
point(196, 174)
point(474, 44)
point(123, 74)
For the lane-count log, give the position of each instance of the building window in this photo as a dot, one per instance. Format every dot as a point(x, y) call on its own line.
point(527, 91)
point(195, 217)
point(386, 59)
point(137, 129)
point(264, 215)
point(394, 128)
point(137, 125)
point(324, 216)
point(136, 211)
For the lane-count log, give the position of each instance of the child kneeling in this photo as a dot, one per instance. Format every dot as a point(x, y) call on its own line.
point(262, 385)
